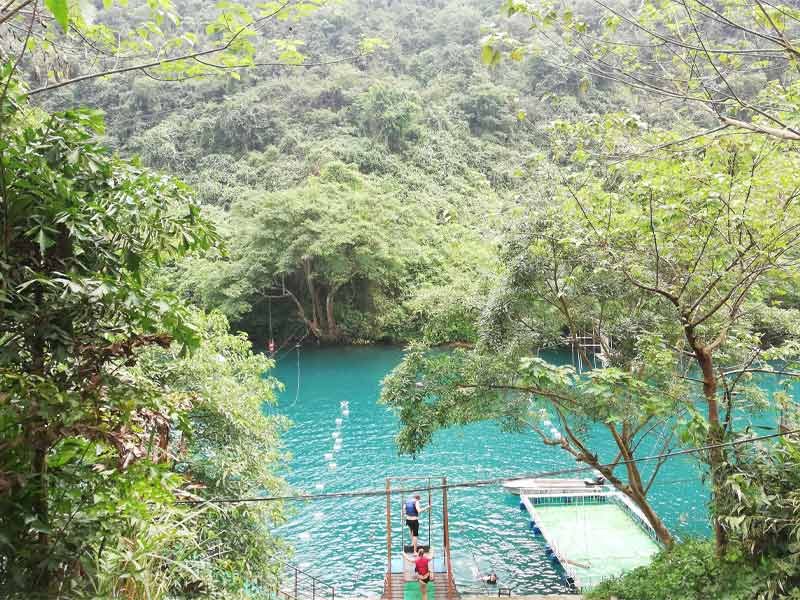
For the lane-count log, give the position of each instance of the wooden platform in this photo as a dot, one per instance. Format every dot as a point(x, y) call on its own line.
point(443, 591)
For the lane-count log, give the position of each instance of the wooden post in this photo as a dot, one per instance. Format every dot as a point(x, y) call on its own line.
point(388, 591)
point(446, 535)
point(430, 511)
point(402, 527)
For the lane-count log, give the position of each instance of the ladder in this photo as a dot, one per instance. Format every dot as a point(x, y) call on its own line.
point(595, 345)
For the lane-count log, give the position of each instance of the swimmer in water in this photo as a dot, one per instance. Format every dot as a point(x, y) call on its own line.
point(491, 579)
point(422, 568)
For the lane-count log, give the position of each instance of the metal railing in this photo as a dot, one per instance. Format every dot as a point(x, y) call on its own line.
point(296, 584)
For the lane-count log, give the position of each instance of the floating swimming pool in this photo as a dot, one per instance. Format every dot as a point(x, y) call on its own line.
point(601, 540)
point(594, 536)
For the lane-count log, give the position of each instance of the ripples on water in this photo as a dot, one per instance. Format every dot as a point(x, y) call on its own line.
point(343, 541)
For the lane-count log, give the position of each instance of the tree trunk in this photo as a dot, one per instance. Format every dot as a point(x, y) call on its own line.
point(301, 313)
point(633, 490)
point(661, 530)
point(37, 435)
point(40, 505)
point(316, 305)
point(333, 327)
point(638, 497)
point(716, 457)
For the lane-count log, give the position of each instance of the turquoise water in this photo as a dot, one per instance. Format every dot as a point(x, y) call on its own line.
point(343, 541)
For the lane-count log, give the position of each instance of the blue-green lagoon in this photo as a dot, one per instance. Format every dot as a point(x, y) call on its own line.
point(343, 541)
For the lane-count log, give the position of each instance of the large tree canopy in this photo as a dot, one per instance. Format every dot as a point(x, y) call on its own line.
point(665, 265)
point(95, 449)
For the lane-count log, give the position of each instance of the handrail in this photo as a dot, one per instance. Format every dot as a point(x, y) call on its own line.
point(319, 589)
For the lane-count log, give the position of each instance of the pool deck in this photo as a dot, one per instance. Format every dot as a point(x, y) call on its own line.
point(550, 486)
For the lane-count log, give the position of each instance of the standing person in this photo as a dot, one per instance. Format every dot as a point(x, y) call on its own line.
point(412, 510)
point(422, 568)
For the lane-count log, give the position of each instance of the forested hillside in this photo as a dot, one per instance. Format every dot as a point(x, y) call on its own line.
point(420, 131)
point(180, 180)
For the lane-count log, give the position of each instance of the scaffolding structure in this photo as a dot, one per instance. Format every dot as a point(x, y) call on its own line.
point(594, 346)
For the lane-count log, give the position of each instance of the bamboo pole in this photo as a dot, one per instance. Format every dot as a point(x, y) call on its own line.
point(446, 535)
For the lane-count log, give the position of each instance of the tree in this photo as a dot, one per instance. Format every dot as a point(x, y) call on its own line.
point(305, 246)
point(388, 114)
point(81, 232)
point(709, 235)
point(226, 447)
point(550, 295)
point(668, 259)
point(735, 61)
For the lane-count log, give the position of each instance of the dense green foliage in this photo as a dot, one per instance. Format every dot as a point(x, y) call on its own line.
point(358, 174)
point(105, 420)
point(420, 124)
point(692, 571)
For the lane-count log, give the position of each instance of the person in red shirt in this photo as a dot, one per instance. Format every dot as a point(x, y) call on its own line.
point(422, 567)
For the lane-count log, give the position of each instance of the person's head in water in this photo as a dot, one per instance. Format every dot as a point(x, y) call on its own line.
point(492, 578)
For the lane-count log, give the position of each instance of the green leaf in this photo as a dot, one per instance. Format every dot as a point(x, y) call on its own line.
point(490, 55)
point(60, 11)
point(43, 241)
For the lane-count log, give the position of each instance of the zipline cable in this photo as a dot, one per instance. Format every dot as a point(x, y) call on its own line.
point(487, 482)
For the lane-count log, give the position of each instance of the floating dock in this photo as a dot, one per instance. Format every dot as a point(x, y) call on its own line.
point(549, 486)
point(594, 531)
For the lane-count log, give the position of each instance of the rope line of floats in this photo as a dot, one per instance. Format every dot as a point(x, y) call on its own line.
point(483, 482)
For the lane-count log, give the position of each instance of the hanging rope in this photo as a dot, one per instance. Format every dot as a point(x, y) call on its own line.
point(402, 526)
point(269, 309)
point(430, 510)
point(297, 388)
point(477, 567)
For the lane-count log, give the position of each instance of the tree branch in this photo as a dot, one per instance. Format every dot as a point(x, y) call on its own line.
point(164, 61)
